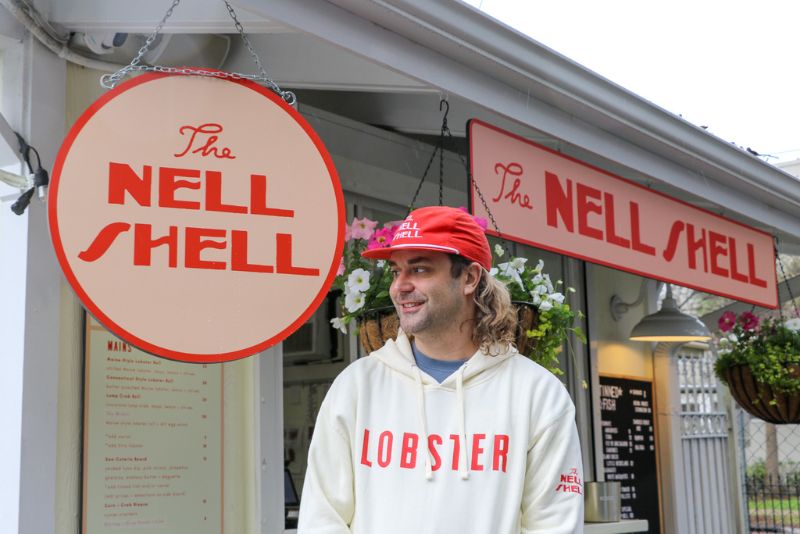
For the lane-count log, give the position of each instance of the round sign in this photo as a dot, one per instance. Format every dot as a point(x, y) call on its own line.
point(200, 219)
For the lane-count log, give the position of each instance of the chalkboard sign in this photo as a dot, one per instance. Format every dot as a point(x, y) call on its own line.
point(629, 446)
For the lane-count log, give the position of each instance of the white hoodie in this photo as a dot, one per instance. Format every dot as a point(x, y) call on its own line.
point(370, 473)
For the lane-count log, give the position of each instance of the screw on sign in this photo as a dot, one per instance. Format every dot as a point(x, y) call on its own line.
point(199, 219)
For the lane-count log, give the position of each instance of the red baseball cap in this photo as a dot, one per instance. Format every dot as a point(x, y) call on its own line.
point(442, 229)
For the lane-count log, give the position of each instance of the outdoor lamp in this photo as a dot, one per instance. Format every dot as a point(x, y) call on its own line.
point(670, 325)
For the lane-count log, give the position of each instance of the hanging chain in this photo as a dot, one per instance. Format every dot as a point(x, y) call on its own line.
point(474, 184)
point(441, 148)
point(447, 134)
point(786, 282)
point(109, 81)
point(419, 185)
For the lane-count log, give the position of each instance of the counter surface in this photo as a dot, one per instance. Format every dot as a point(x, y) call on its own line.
point(636, 525)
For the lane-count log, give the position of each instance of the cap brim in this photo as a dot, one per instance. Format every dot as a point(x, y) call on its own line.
point(385, 252)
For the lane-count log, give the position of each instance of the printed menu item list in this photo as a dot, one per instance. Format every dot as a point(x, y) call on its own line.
point(152, 441)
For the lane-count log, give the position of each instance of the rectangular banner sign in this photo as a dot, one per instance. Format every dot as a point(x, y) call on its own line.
point(545, 199)
point(152, 441)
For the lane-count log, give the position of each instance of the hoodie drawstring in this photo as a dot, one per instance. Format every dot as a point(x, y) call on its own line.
point(423, 424)
point(462, 463)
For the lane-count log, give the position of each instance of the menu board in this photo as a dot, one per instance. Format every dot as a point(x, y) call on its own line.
point(629, 446)
point(152, 444)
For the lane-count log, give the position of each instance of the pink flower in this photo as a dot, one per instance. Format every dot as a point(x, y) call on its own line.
point(727, 321)
point(362, 228)
point(748, 320)
point(381, 238)
point(348, 233)
point(480, 221)
point(340, 270)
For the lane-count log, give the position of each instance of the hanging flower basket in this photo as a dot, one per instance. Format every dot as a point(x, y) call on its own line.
point(376, 327)
point(760, 399)
point(759, 360)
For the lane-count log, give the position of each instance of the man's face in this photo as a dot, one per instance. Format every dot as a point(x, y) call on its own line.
point(427, 298)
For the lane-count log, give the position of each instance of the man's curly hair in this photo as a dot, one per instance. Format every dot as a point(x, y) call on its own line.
point(495, 317)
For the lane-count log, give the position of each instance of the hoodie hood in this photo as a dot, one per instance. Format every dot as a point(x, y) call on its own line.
point(397, 354)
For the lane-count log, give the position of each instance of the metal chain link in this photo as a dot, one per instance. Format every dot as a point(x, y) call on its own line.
point(109, 81)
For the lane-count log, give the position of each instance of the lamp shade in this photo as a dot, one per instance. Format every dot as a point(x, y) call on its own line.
point(670, 325)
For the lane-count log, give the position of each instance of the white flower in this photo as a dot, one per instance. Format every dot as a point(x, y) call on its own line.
point(358, 281)
point(353, 301)
point(571, 289)
point(542, 290)
point(538, 279)
point(548, 282)
point(339, 324)
point(732, 338)
point(506, 269)
point(793, 324)
point(499, 250)
point(535, 298)
point(556, 297)
point(519, 264)
point(493, 271)
point(545, 305)
point(380, 263)
point(539, 266)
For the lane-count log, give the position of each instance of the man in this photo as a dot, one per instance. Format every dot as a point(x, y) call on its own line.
point(447, 429)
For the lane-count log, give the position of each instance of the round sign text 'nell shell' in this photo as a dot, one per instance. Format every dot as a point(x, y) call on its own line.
point(199, 219)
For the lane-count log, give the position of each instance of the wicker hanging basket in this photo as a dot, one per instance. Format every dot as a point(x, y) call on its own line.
point(754, 397)
point(527, 319)
point(378, 326)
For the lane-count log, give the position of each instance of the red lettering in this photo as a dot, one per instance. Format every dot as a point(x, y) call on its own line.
point(437, 460)
point(735, 274)
point(476, 451)
point(514, 169)
point(208, 148)
point(456, 451)
point(258, 198)
point(751, 265)
point(500, 456)
point(636, 241)
point(214, 195)
point(143, 244)
point(365, 449)
point(239, 259)
point(717, 244)
point(408, 454)
point(167, 184)
point(585, 207)
point(693, 245)
point(121, 179)
point(611, 233)
point(103, 241)
point(283, 260)
point(559, 202)
point(672, 241)
point(385, 448)
point(195, 244)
